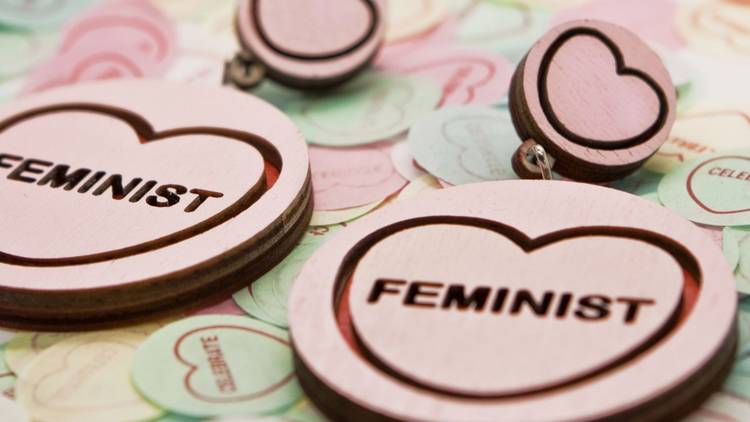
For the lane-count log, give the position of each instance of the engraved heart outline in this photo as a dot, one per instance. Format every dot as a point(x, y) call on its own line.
point(340, 300)
point(374, 18)
point(622, 69)
point(694, 196)
point(194, 368)
point(146, 133)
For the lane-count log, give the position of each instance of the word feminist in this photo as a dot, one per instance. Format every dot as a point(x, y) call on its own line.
point(59, 175)
point(424, 294)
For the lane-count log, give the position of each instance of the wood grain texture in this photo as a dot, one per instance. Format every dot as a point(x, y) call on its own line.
point(311, 43)
point(596, 97)
point(419, 347)
point(545, 296)
point(83, 250)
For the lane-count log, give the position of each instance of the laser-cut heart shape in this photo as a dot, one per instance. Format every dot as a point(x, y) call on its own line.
point(509, 346)
point(64, 225)
point(592, 98)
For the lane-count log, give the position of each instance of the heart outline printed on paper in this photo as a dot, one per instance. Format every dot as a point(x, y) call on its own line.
point(193, 368)
point(694, 196)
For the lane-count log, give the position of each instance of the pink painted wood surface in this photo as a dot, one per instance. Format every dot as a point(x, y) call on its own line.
point(513, 354)
point(590, 97)
point(95, 224)
point(534, 209)
point(311, 43)
point(596, 97)
point(54, 223)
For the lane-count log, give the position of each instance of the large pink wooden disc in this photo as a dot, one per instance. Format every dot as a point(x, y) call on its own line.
point(122, 197)
point(510, 301)
point(596, 97)
point(311, 43)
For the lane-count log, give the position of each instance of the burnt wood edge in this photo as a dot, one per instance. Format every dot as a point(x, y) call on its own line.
point(200, 287)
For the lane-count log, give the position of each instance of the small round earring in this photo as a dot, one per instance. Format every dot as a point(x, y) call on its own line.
point(593, 98)
point(304, 44)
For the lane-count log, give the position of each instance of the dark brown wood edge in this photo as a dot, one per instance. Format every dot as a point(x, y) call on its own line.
point(374, 21)
point(671, 406)
point(192, 289)
point(334, 406)
point(696, 389)
point(677, 251)
point(147, 134)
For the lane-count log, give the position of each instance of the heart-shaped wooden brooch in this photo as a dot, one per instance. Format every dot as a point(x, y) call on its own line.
point(596, 99)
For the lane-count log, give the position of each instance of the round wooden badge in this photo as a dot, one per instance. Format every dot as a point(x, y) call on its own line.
point(311, 44)
point(508, 301)
point(596, 97)
point(124, 199)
